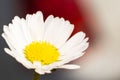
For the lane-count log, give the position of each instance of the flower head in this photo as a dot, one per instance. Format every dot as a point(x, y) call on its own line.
point(44, 45)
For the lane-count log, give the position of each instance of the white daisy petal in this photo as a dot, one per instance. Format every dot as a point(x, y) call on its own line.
point(80, 48)
point(48, 22)
point(10, 44)
point(37, 64)
point(70, 66)
point(35, 24)
point(48, 71)
point(39, 71)
point(38, 67)
point(9, 52)
point(75, 51)
point(25, 62)
point(49, 67)
point(58, 27)
point(60, 65)
point(26, 31)
point(9, 38)
point(71, 58)
point(16, 30)
point(63, 33)
point(78, 55)
point(20, 58)
point(73, 41)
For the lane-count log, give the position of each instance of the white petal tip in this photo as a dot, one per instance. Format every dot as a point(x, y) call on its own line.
point(16, 17)
point(9, 52)
point(70, 66)
point(6, 50)
point(2, 35)
point(48, 71)
point(38, 12)
point(39, 71)
point(50, 16)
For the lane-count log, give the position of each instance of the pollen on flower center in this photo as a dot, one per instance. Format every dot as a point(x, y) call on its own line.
point(41, 51)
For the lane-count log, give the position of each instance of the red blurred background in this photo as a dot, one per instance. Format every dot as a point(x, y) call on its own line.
point(67, 9)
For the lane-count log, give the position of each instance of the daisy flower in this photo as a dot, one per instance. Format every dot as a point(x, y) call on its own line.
point(44, 45)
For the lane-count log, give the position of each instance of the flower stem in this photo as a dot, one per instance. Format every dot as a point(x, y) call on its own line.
point(36, 76)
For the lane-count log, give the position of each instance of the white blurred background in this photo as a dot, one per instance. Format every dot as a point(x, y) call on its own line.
point(102, 59)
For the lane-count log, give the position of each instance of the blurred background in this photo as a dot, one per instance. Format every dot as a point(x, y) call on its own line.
point(99, 19)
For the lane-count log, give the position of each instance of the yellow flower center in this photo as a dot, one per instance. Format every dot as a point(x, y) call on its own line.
point(41, 51)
